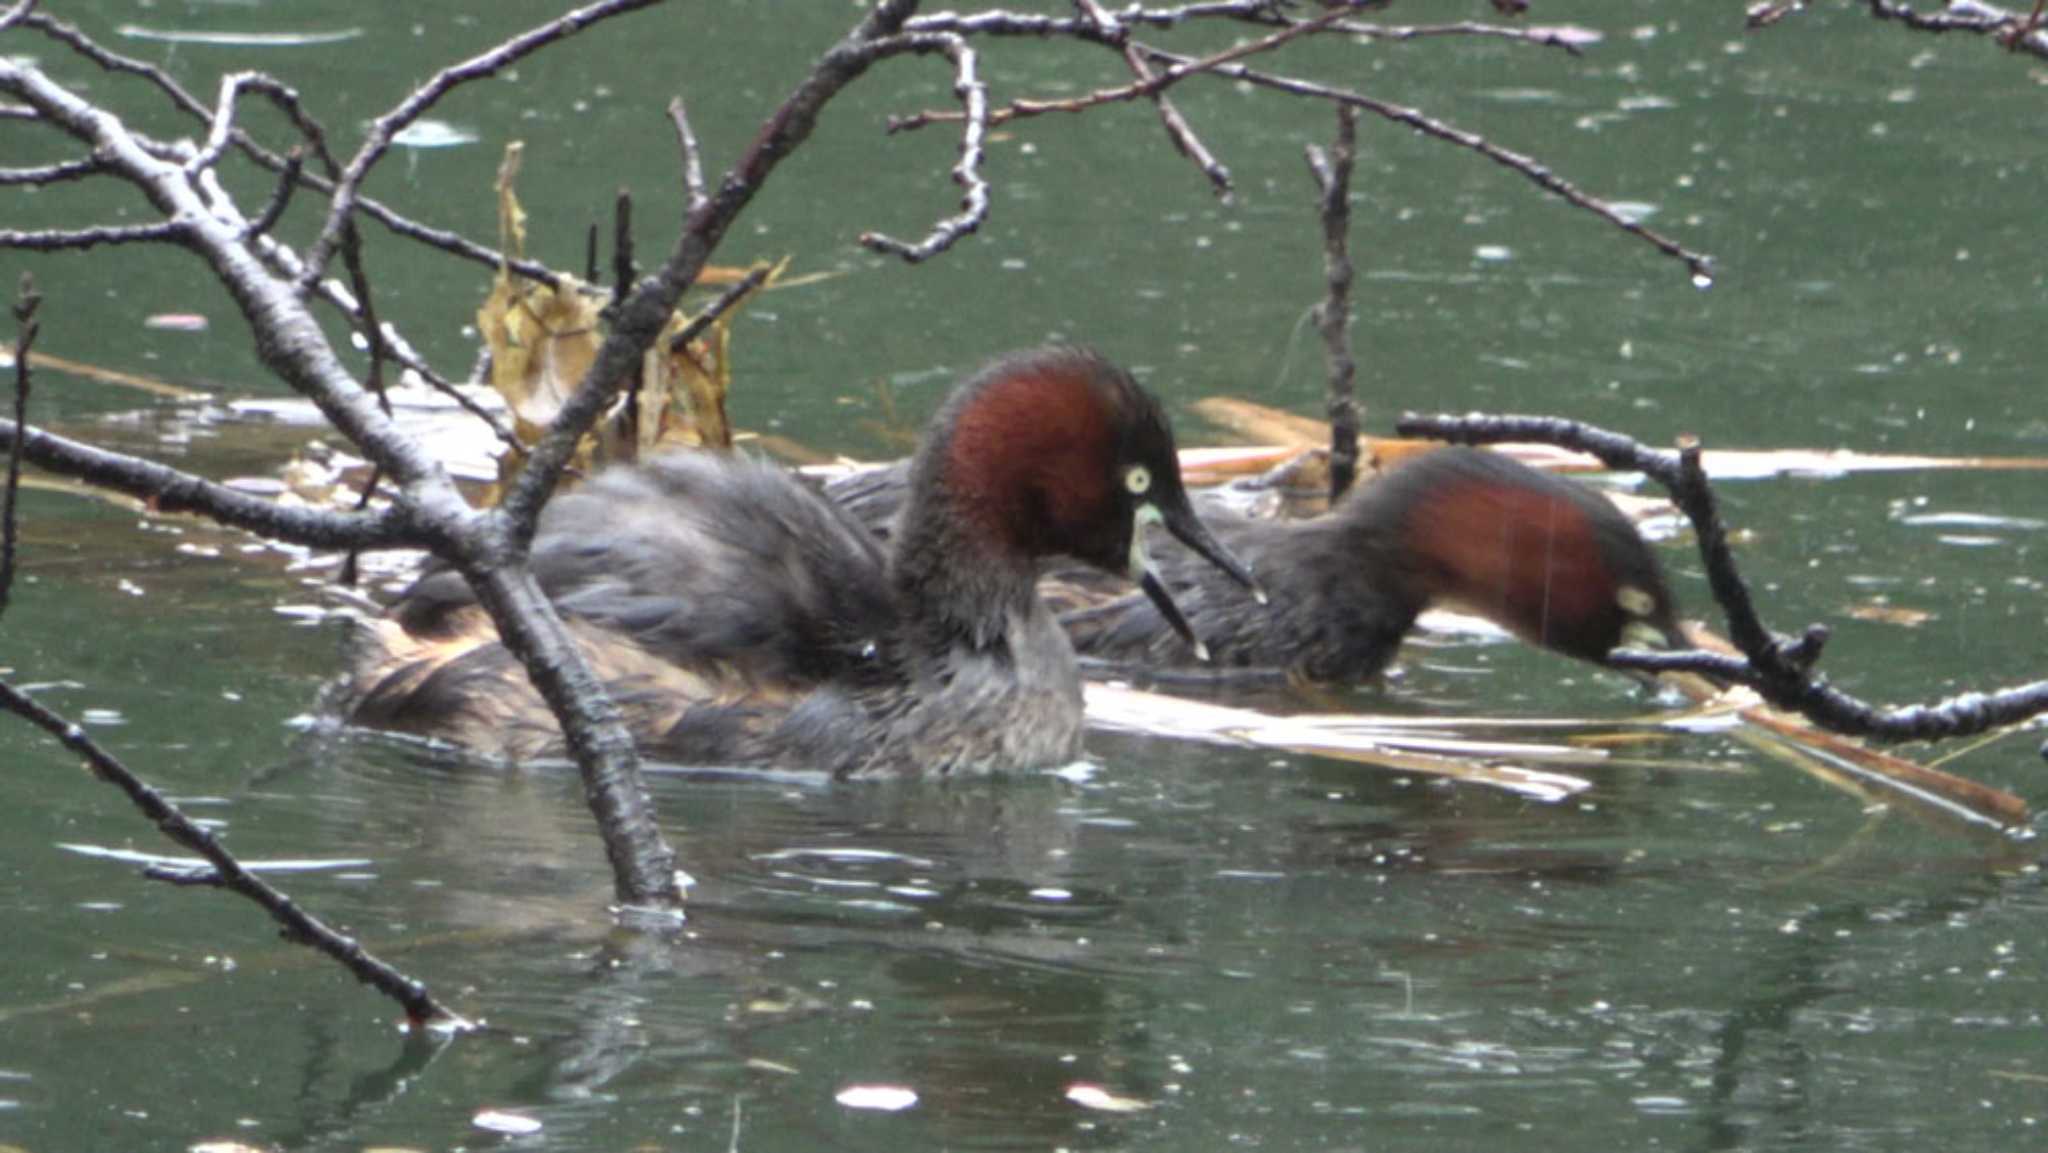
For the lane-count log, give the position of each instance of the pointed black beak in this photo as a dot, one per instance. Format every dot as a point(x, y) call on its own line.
point(1173, 508)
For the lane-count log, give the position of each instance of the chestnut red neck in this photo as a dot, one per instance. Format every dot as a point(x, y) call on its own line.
point(1548, 559)
point(1028, 454)
point(1018, 465)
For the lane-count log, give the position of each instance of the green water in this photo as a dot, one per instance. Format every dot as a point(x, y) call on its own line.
point(1712, 952)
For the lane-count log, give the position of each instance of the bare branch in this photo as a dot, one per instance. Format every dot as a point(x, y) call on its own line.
point(289, 339)
point(298, 925)
point(52, 173)
point(1779, 669)
point(280, 256)
point(967, 171)
point(292, 344)
point(1177, 130)
point(25, 338)
point(693, 160)
point(1698, 263)
point(642, 316)
point(13, 16)
point(1570, 38)
point(1566, 37)
point(280, 197)
point(446, 241)
point(169, 490)
point(999, 22)
point(1181, 67)
point(387, 126)
point(680, 342)
point(623, 271)
point(61, 240)
point(2011, 29)
point(1333, 315)
point(222, 122)
point(1765, 13)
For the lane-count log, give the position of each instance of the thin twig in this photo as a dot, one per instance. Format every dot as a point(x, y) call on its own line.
point(221, 125)
point(967, 171)
point(1569, 38)
point(680, 342)
point(1780, 669)
point(12, 16)
point(280, 197)
point(2014, 31)
point(60, 240)
point(383, 129)
point(1698, 263)
point(693, 159)
point(298, 925)
point(1180, 68)
point(641, 318)
point(430, 510)
point(52, 173)
point(366, 322)
point(623, 271)
point(623, 275)
point(449, 242)
point(281, 257)
point(1177, 129)
point(1265, 13)
point(25, 337)
point(1333, 316)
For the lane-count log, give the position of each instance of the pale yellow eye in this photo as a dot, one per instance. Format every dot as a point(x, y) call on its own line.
point(1634, 601)
point(1138, 480)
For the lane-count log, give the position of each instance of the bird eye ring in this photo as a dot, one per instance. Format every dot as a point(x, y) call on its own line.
point(1138, 480)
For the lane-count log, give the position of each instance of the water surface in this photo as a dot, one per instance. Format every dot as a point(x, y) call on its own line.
point(1706, 950)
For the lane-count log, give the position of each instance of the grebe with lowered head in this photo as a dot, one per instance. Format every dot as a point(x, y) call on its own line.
point(739, 619)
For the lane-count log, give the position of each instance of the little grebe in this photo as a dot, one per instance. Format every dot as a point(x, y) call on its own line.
point(1549, 559)
point(740, 619)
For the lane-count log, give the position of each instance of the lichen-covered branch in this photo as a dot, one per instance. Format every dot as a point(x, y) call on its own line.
point(51, 173)
point(2020, 33)
point(169, 490)
point(973, 137)
point(73, 239)
point(292, 344)
point(693, 157)
point(446, 241)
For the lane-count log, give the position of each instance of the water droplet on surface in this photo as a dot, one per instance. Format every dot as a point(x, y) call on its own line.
point(886, 1098)
point(499, 1121)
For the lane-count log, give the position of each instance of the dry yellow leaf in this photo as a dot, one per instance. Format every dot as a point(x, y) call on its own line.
point(544, 339)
